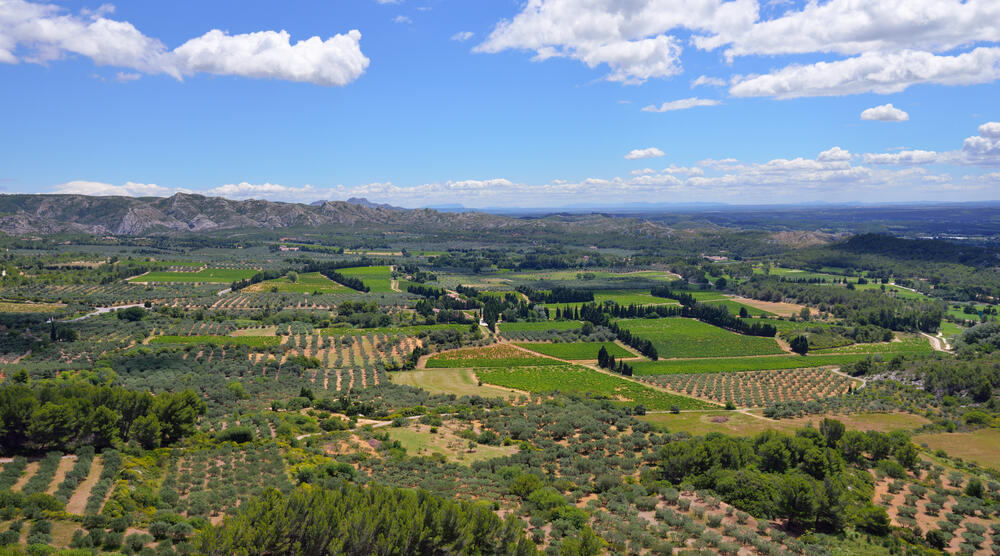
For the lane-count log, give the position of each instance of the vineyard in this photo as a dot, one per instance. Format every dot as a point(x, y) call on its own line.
point(499, 355)
point(758, 388)
point(734, 364)
point(577, 351)
point(680, 337)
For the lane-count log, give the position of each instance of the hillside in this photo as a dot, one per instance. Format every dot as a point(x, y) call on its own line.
point(183, 212)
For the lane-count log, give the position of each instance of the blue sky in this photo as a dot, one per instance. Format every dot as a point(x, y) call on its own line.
point(537, 103)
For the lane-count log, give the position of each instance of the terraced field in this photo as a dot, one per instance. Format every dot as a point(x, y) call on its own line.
point(681, 337)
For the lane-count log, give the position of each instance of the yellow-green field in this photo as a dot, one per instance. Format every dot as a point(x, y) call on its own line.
point(752, 422)
point(14, 307)
point(419, 441)
point(461, 382)
point(981, 446)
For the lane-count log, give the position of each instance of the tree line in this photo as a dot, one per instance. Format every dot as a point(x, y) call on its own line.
point(61, 415)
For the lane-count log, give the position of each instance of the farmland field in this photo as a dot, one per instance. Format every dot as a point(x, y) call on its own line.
point(576, 350)
point(732, 364)
point(209, 275)
point(14, 307)
point(404, 330)
point(500, 355)
point(306, 283)
point(758, 388)
point(981, 446)
point(460, 382)
point(419, 441)
point(918, 344)
point(377, 278)
point(681, 337)
point(571, 378)
point(251, 341)
point(735, 306)
point(539, 326)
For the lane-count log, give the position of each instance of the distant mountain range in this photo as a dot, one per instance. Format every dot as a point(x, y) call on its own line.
point(185, 212)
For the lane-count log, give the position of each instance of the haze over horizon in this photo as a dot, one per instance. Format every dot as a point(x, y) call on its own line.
point(544, 103)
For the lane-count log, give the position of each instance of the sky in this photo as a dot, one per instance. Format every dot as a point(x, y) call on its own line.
point(528, 103)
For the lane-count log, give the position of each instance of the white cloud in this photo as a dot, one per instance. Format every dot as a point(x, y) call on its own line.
point(885, 113)
point(983, 148)
point(852, 27)
point(835, 154)
point(682, 104)
point(268, 54)
point(873, 72)
point(903, 157)
point(704, 80)
point(462, 36)
point(630, 37)
point(895, 43)
point(643, 172)
point(402, 19)
point(129, 189)
point(41, 33)
point(651, 152)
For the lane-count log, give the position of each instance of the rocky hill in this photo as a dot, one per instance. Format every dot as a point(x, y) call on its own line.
point(183, 212)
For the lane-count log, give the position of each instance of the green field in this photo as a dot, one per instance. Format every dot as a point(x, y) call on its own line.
point(211, 275)
point(733, 364)
point(681, 337)
point(735, 306)
point(461, 382)
point(917, 344)
point(497, 355)
point(539, 326)
point(576, 351)
point(306, 283)
point(252, 341)
point(392, 330)
point(377, 278)
point(572, 378)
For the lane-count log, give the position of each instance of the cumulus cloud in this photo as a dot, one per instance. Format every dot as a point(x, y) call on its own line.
point(885, 113)
point(462, 36)
point(682, 104)
point(894, 43)
point(851, 27)
point(835, 154)
point(651, 152)
point(631, 38)
point(874, 72)
point(268, 54)
point(985, 147)
point(41, 33)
